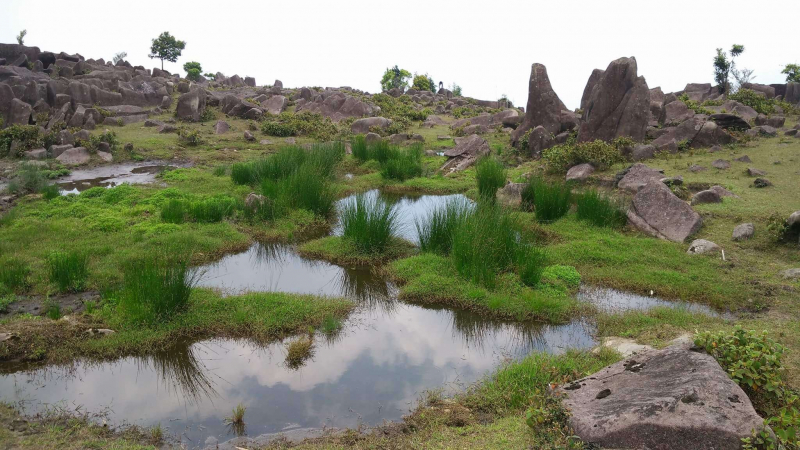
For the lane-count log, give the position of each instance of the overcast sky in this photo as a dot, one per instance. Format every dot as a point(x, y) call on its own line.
point(485, 47)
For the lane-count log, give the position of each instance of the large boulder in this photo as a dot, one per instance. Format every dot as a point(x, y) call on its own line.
point(19, 113)
point(464, 154)
point(362, 126)
point(792, 94)
point(74, 156)
point(657, 211)
point(619, 104)
point(275, 104)
point(191, 105)
point(540, 139)
point(637, 176)
point(580, 172)
point(594, 78)
point(768, 91)
point(543, 107)
point(732, 121)
point(675, 398)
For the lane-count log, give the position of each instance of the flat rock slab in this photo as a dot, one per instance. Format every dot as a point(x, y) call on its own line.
point(637, 176)
point(675, 398)
point(657, 211)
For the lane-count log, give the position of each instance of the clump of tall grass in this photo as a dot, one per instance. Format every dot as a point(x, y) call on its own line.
point(369, 223)
point(550, 201)
point(322, 157)
point(486, 242)
point(50, 192)
point(68, 270)
point(491, 176)
point(402, 164)
point(307, 189)
point(13, 275)
point(235, 421)
point(174, 212)
point(52, 309)
point(435, 231)
point(220, 171)
point(156, 288)
point(358, 145)
point(600, 210)
point(211, 210)
point(244, 173)
point(267, 210)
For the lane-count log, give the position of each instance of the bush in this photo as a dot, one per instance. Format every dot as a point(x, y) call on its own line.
point(278, 129)
point(599, 210)
point(550, 201)
point(403, 164)
point(29, 179)
point(189, 137)
point(305, 123)
point(155, 289)
point(193, 70)
point(491, 176)
point(13, 275)
point(435, 231)
point(27, 137)
point(598, 153)
point(398, 110)
point(694, 106)
point(423, 83)
point(755, 100)
point(68, 270)
point(369, 223)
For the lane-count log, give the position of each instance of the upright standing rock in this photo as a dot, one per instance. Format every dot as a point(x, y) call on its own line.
point(619, 104)
point(596, 75)
point(191, 105)
point(543, 108)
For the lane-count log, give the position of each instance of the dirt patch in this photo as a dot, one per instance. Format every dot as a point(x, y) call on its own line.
point(38, 305)
point(28, 340)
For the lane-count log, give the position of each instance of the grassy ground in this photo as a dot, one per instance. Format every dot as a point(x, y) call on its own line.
point(342, 252)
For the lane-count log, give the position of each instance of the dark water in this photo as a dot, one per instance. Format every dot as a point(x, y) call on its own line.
point(111, 175)
point(387, 354)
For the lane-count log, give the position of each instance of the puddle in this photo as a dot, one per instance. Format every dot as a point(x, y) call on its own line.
point(614, 301)
point(112, 175)
point(387, 354)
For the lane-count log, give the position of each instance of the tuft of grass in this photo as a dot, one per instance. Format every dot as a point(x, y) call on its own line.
point(237, 415)
point(298, 351)
point(13, 275)
point(174, 212)
point(52, 309)
point(156, 288)
point(599, 210)
point(212, 210)
point(156, 433)
point(491, 176)
point(402, 164)
point(435, 231)
point(50, 192)
point(68, 270)
point(550, 201)
point(220, 171)
point(307, 188)
point(243, 173)
point(331, 325)
point(369, 223)
point(531, 262)
point(359, 147)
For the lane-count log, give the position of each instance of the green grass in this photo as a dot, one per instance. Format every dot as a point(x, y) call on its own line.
point(307, 189)
point(13, 275)
point(491, 176)
point(339, 250)
point(369, 223)
point(403, 164)
point(550, 200)
point(600, 210)
point(50, 192)
point(212, 210)
point(174, 212)
point(656, 326)
point(68, 270)
point(358, 145)
point(156, 288)
point(436, 229)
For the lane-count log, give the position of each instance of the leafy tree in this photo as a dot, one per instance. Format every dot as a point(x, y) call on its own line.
point(792, 72)
point(723, 67)
point(395, 78)
point(166, 47)
point(455, 89)
point(193, 70)
point(21, 37)
point(210, 76)
point(120, 57)
point(423, 83)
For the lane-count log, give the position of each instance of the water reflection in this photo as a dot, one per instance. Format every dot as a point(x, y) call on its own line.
point(181, 371)
point(111, 176)
point(614, 301)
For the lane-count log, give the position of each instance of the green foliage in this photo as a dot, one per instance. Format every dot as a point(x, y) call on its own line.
point(207, 210)
point(278, 129)
point(68, 270)
point(399, 110)
point(29, 179)
point(436, 230)
point(455, 89)
point(21, 37)
point(331, 325)
point(395, 78)
point(166, 48)
point(550, 201)
point(754, 100)
point(403, 164)
point(52, 309)
point(156, 288)
point(491, 176)
point(792, 72)
point(189, 136)
point(423, 83)
point(50, 192)
point(27, 137)
point(193, 70)
point(13, 275)
point(358, 146)
point(307, 188)
point(694, 106)
point(306, 123)
point(724, 66)
point(369, 223)
point(598, 153)
point(600, 210)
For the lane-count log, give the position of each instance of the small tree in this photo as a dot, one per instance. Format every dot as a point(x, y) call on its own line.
point(193, 70)
point(423, 83)
point(120, 57)
point(395, 78)
point(166, 47)
point(455, 89)
point(723, 67)
point(792, 72)
point(21, 37)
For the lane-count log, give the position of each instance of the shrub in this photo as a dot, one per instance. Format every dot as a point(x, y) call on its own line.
point(435, 231)
point(423, 83)
point(491, 176)
point(369, 223)
point(754, 100)
point(156, 288)
point(29, 179)
point(108, 136)
point(694, 106)
point(598, 153)
point(600, 210)
point(403, 164)
point(550, 201)
point(174, 211)
point(50, 192)
point(304, 123)
point(278, 129)
point(27, 137)
point(13, 275)
point(68, 270)
point(189, 137)
point(397, 110)
point(193, 70)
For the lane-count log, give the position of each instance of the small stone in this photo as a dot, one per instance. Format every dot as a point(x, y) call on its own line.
point(221, 127)
point(603, 394)
point(791, 274)
point(265, 142)
point(721, 164)
point(762, 183)
point(249, 136)
point(707, 196)
point(743, 231)
point(105, 156)
point(753, 172)
point(695, 168)
point(702, 246)
point(579, 172)
point(745, 159)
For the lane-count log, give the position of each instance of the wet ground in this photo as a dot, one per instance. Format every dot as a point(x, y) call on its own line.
point(386, 356)
point(112, 175)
